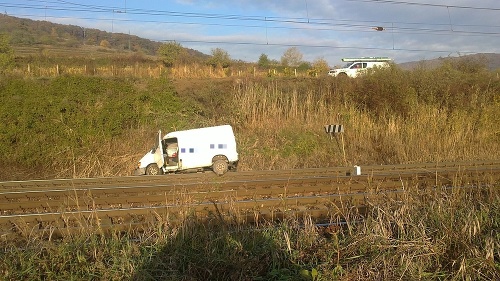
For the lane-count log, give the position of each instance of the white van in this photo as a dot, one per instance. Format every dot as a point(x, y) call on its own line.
point(196, 150)
point(356, 66)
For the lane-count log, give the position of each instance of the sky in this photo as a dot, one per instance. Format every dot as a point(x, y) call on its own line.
point(403, 30)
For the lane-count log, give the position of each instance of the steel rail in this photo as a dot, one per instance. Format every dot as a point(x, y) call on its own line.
point(156, 194)
point(113, 183)
point(323, 208)
point(179, 178)
point(244, 210)
point(64, 205)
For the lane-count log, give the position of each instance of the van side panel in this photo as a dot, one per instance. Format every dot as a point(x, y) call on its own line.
point(197, 147)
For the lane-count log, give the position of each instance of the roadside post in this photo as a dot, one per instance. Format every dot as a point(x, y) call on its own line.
point(336, 130)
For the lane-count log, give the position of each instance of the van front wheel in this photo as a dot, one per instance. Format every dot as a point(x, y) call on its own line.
point(153, 170)
point(220, 167)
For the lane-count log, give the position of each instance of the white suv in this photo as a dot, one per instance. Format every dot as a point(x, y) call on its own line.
point(356, 66)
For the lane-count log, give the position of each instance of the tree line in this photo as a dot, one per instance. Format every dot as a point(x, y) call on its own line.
point(172, 53)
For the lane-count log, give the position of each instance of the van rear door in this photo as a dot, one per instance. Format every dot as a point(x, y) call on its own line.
point(158, 155)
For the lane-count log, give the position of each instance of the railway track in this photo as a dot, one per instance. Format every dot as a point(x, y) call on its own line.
point(65, 206)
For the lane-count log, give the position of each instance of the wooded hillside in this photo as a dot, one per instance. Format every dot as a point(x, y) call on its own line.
point(33, 33)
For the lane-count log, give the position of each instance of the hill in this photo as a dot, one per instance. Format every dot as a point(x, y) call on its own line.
point(490, 60)
point(27, 34)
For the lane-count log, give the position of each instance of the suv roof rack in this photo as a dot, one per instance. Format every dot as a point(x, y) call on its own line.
point(366, 59)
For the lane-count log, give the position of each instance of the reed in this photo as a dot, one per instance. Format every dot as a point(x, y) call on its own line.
point(294, 120)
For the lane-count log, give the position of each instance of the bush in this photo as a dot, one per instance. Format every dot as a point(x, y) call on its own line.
point(52, 122)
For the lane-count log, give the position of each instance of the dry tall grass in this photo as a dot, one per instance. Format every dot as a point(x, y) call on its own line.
point(136, 71)
point(155, 69)
point(426, 234)
point(396, 117)
point(269, 119)
point(279, 125)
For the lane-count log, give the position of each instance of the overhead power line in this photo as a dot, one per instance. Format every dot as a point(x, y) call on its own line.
point(362, 26)
point(250, 21)
point(113, 9)
point(308, 24)
point(427, 4)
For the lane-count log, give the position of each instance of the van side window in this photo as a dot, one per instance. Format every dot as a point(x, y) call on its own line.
point(364, 65)
point(356, 65)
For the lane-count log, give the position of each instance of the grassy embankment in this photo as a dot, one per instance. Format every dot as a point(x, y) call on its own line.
point(80, 126)
point(87, 126)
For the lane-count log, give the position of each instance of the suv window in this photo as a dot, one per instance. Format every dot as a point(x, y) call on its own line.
point(356, 65)
point(359, 65)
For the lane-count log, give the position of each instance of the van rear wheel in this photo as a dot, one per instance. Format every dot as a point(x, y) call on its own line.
point(153, 170)
point(220, 167)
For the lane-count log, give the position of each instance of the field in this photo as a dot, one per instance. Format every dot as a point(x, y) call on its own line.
point(93, 124)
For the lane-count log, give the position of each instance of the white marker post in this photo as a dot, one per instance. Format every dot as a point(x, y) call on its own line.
point(334, 131)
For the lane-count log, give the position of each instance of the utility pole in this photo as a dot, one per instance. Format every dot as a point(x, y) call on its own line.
point(83, 28)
